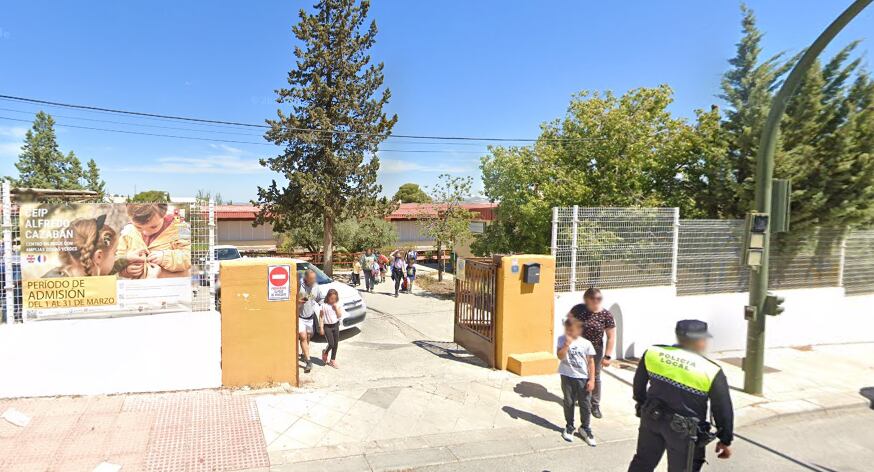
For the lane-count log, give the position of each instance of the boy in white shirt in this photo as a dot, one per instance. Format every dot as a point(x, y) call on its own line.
point(577, 362)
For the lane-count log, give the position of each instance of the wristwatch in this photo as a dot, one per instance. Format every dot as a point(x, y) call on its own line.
point(608, 358)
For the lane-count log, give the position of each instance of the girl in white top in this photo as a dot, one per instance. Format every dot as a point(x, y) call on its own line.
point(329, 317)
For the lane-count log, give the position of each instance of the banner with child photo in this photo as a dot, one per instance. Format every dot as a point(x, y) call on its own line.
point(104, 259)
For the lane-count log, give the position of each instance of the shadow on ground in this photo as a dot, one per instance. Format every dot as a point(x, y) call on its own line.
point(531, 418)
point(451, 351)
point(868, 392)
point(535, 390)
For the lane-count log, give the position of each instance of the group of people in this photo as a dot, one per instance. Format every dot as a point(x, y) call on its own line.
point(673, 385)
point(374, 266)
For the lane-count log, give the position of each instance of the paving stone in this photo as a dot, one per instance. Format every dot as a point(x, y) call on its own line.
point(410, 459)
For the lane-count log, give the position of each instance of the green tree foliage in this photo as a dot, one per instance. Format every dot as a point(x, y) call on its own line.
point(606, 151)
point(411, 193)
point(335, 89)
point(206, 195)
point(747, 90)
point(450, 223)
point(41, 163)
point(825, 135)
point(629, 151)
point(354, 235)
point(93, 181)
point(150, 196)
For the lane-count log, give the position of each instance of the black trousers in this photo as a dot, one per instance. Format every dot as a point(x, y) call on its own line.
point(654, 437)
point(398, 276)
point(356, 279)
point(368, 280)
point(574, 391)
point(332, 335)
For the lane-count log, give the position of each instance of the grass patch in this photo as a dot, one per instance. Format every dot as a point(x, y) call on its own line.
point(429, 283)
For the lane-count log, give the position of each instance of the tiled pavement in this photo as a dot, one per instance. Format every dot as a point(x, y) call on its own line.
point(404, 397)
point(192, 431)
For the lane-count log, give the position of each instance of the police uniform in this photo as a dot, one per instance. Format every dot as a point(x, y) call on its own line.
point(673, 411)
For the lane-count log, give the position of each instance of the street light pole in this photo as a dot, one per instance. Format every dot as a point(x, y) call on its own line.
point(755, 354)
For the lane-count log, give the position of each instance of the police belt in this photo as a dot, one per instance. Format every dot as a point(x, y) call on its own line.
point(691, 427)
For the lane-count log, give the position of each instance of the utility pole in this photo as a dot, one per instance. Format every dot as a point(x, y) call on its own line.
point(755, 355)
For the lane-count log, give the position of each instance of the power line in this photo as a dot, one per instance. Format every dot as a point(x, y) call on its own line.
point(176, 128)
point(195, 138)
point(262, 126)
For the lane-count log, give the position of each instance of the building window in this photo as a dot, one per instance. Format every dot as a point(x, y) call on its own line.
point(477, 227)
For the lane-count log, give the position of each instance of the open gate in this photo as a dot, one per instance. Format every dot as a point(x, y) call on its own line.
point(475, 306)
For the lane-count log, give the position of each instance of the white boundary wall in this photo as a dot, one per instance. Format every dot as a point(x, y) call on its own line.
point(149, 353)
point(647, 315)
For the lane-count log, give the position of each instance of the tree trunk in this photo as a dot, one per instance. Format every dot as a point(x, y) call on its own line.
point(328, 246)
point(441, 266)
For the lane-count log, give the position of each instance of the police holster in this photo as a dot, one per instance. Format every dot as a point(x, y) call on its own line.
point(696, 432)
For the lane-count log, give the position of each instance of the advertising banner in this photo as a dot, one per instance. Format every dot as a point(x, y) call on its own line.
point(104, 259)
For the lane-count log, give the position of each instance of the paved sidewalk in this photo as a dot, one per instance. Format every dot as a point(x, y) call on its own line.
point(403, 409)
point(191, 431)
point(405, 397)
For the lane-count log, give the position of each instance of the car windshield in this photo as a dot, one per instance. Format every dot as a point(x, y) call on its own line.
point(227, 253)
point(321, 277)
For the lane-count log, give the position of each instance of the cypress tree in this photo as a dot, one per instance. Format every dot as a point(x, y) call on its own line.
point(335, 89)
point(93, 181)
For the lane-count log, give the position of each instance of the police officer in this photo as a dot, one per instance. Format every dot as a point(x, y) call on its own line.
point(673, 411)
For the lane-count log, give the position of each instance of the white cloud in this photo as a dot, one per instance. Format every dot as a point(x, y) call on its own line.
point(10, 150)
point(397, 166)
point(11, 139)
point(214, 164)
point(16, 132)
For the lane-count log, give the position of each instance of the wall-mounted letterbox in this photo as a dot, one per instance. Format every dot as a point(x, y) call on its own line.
point(531, 273)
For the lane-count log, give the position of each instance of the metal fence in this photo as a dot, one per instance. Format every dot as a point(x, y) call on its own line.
point(201, 218)
point(614, 247)
point(636, 247)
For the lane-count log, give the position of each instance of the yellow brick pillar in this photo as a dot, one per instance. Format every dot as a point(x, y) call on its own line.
point(524, 318)
point(259, 322)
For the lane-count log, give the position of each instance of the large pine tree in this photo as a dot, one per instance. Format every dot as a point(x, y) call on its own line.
point(746, 88)
point(41, 163)
point(333, 126)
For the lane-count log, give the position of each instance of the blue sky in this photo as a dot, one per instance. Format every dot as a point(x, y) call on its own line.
point(468, 68)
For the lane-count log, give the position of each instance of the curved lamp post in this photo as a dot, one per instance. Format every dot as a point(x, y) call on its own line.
point(755, 354)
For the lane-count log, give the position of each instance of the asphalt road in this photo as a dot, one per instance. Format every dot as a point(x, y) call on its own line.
point(837, 442)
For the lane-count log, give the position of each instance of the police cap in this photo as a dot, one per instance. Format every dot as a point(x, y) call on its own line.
point(692, 329)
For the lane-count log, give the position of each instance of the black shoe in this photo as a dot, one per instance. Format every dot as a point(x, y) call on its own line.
point(596, 412)
point(308, 368)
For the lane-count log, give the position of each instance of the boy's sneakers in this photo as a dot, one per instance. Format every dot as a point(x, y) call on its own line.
point(587, 436)
point(568, 434)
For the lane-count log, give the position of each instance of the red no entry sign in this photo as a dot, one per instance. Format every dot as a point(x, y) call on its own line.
point(279, 282)
point(279, 276)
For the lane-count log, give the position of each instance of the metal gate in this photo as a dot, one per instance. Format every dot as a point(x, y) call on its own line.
point(475, 307)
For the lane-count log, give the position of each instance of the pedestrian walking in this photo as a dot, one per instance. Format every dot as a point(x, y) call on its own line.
point(576, 366)
point(597, 322)
point(330, 316)
point(673, 410)
point(356, 273)
point(398, 267)
point(411, 276)
point(368, 259)
point(309, 298)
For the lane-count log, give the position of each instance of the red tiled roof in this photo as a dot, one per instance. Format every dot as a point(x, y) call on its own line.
point(412, 211)
point(406, 211)
point(236, 212)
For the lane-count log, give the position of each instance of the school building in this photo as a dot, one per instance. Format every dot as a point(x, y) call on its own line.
point(234, 226)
